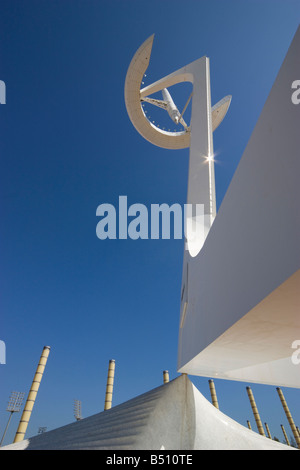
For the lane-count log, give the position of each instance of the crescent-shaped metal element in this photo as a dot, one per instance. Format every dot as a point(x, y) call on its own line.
point(133, 95)
point(149, 131)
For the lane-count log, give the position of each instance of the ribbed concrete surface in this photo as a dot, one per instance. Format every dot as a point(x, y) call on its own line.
point(174, 416)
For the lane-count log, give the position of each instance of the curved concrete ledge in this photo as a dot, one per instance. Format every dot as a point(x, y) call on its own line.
point(174, 416)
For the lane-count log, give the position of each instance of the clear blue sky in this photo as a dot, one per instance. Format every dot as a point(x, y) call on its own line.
point(67, 145)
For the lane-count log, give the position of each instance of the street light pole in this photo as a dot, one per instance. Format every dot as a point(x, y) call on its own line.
point(14, 406)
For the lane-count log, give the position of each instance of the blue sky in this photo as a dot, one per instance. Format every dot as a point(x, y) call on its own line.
point(67, 145)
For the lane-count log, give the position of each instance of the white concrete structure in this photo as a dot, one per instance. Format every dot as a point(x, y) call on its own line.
point(240, 294)
point(240, 309)
point(174, 416)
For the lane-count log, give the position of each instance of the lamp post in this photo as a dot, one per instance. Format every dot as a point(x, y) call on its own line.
point(42, 429)
point(77, 410)
point(13, 406)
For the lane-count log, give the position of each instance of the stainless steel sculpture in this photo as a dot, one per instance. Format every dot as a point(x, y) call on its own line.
point(197, 135)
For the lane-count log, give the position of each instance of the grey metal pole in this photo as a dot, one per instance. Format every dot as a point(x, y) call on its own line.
point(11, 413)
